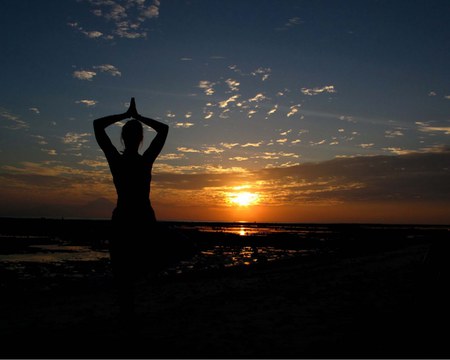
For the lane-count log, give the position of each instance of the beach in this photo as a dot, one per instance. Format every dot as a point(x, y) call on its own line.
point(362, 301)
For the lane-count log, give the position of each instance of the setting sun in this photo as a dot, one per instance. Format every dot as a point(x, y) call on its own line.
point(243, 198)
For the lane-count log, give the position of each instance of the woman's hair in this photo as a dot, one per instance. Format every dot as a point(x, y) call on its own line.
point(132, 134)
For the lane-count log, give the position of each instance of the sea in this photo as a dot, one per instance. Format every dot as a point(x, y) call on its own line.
point(74, 248)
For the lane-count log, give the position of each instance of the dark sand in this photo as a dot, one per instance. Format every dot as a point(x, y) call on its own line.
point(382, 303)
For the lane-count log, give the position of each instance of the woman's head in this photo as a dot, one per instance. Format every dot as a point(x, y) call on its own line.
point(132, 134)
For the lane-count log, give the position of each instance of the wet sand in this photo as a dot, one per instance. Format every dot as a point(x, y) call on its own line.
point(382, 303)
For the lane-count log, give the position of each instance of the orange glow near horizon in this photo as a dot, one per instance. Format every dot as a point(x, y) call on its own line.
point(243, 199)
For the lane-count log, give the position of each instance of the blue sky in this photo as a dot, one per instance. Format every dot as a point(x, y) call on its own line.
point(244, 85)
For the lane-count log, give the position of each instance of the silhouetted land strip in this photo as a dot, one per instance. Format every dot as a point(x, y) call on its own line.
point(380, 291)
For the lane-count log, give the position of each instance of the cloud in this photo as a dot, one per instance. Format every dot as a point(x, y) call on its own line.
point(171, 157)
point(271, 111)
point(75, 140)
point(233, 84)
point(257, 98)
point(128, 18)
point(34, 110)
point(432, 93)
point(206, 86)
point(316, 91)
point(183, 125)
point(258, 144)
point(398, 151)
point(366, 146)
point(90, 74)
point(87, 102)
point(423, 127)
point(238, 158)
point(84, 75)
point(14, 122)
point(229, 145)
point(392, 133)
point(40, 139)
point(447, 97)
point(51, 152)
point(187, 150)
point(186, 59)
point(208, 115)
point(293, 110)
point(223, 104)
point(290, 23)
point(263, 72)
point(108, 68)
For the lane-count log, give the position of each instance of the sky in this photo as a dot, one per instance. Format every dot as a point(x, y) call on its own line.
point(279, 111)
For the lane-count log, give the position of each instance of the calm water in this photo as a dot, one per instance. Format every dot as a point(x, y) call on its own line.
point(226, 245)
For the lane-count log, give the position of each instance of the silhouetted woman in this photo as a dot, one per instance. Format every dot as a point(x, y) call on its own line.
point(134, 221)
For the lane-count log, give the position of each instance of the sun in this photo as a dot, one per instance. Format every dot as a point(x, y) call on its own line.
point(243, 198)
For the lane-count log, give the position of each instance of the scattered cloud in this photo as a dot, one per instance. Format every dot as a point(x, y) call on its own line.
point(224, 104)
point(184, 125)
point(257, 98)
point(34, 110)
point(87, 102)
point(398, 151)
point(84, 74)
point(206, 86)
point(273, 110)
point(108, 68)
point(51, 152)
point(128, 18)
point(316, 91)
point(186, 59)
point(76, 140)
point(238, 158)
point(90, 74)
point(14, 122)
point(258, 144)
point(40, 139)
point(392, 133)
point(229, 145)
point(366, 146)
point(293, 110)
point(290, 23)
point(263, 72)
point(424, 127)
point(233, 84)
point(447, 97)
point(432, 93)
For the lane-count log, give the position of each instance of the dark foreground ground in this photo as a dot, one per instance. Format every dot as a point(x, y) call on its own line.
point(362, 302)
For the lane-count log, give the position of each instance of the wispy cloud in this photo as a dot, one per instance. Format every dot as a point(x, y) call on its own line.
point(316, 91)
point(34, 110)
point(424, 127)
point(258, 144)
point(183, 125)
point(87, 102)
point(290, 23)
point(393, 133)
point(108, 68)
point(263, 72)
point(13, 121)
